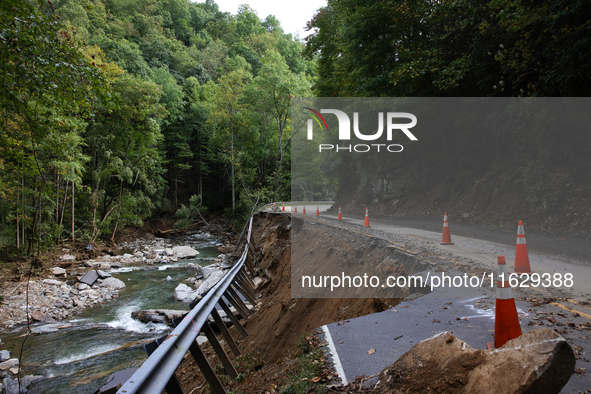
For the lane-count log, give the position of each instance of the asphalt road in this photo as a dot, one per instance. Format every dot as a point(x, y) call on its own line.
point(491, 242)
point(393, 332)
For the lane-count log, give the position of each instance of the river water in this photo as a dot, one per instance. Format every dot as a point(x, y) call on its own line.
point(105, 339)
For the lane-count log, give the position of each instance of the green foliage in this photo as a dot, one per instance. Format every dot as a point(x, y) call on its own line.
point(187, 215)
point(308, 365)
point(48, 92)
point(120, 108)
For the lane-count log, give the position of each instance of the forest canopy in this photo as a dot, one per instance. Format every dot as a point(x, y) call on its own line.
point(113, 111)
point(474, 48)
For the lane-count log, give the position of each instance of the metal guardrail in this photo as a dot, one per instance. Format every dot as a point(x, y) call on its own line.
point(158, 371)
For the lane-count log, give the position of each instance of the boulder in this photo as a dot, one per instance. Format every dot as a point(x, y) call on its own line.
point(196, 267)
point(6, 365)
point(209, 269)
point(11, 386)
point(41, 317)
point(538, 361)
point(183, 252)
point(168, 278)
point(184, 293)
point(165, 316)
point(4, 355)
point(68, 257)
point(113, 283)
point(89, 278)
point(89, 263)
point(102, 274)
point(58, 271)
point(210, 282)
point(202, 236)
point(52, 282)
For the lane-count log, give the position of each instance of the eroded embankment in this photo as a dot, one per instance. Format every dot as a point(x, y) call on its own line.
point(281, 320)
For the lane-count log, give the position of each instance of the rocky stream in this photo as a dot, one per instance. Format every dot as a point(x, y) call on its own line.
point(81, 324)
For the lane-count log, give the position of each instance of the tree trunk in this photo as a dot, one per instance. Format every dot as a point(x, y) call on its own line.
point(118, 212)
point(176, 188)
point(23, 225)
point(73, 188)
point(57, 198)
point(232, 158)
point(64, 204)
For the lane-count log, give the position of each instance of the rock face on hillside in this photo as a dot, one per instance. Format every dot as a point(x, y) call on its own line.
point(539, 361)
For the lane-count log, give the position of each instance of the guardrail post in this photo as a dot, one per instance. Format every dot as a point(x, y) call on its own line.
point(233, 318)
point(205, 367)
point(248, 282)
point(224, 330)
point(242, 287)
point(238, 303)
point(215, 344)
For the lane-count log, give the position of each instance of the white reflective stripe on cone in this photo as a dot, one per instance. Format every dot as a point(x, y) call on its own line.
point(504, 293)
point(521, 241)
point(520, 230)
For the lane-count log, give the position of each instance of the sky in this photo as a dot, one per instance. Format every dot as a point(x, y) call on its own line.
point(293, 15)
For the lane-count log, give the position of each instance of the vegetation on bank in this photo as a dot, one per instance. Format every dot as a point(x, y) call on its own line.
point(112, 111)
point(304, 370)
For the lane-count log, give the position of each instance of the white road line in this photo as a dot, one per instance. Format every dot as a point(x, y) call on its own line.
point(335, 356)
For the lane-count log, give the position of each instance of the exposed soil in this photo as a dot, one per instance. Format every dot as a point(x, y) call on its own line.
point(281, 319)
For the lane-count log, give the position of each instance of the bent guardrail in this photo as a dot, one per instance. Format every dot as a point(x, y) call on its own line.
point(158, 371)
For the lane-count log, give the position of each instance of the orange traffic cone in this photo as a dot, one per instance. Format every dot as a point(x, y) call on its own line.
point(340, 217)
point(296, 209)
point(304, 210)
point(366, 223)
point(446, 237)
point(521, 257)
point(317, 211)
point(506, 320)
point(283, 208)
point(273, 203)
